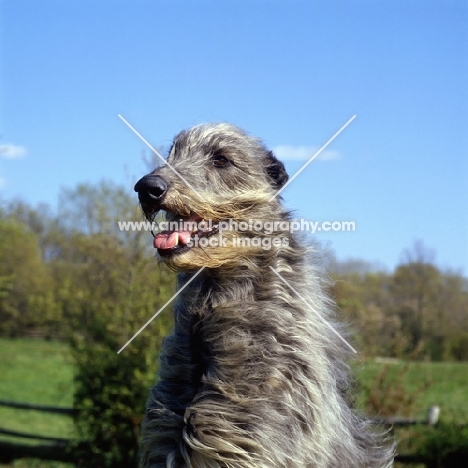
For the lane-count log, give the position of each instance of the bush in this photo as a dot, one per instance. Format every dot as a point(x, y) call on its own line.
point(445, 446)
point(110, 392)
point(111, 389)
point(108, 286)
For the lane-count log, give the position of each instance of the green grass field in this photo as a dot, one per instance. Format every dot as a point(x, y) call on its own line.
point(444, 384)
point(36, 371)
point(39, 371)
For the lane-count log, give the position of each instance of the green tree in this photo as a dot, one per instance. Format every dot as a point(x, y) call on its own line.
point(418, 311)
point(415, 287)
point(108, 286)
point(25, 288)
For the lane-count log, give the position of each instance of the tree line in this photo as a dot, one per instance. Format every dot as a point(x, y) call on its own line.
point(73, 269)
point(417, 311)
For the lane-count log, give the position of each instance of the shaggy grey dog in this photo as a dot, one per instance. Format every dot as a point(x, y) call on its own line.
point(253, 375)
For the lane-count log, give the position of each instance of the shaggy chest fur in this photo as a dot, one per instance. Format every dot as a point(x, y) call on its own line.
point(250, 378)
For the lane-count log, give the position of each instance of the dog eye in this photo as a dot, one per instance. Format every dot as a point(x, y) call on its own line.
point(220, 161)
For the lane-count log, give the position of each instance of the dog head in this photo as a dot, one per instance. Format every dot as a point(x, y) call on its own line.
point(215, 173)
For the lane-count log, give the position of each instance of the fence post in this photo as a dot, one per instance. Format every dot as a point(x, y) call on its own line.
point(433, 415)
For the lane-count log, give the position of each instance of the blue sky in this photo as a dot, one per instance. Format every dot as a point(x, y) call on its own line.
point(289, 72)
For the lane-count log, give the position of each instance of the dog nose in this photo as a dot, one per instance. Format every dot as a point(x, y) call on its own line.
point(151, 190)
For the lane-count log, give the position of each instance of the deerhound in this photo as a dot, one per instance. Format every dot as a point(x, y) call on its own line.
point(253, 375)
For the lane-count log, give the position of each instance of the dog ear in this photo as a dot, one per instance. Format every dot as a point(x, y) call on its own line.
point(276, 171)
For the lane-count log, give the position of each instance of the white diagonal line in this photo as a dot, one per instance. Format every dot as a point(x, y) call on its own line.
point(159, 155)
point(313, 310)
point(313, 157)
point(141, 138)
point(158, 312)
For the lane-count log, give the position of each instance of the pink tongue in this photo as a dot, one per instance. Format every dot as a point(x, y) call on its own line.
point(169, 239)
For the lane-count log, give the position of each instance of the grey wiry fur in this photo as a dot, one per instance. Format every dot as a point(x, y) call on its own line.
point(250, 378)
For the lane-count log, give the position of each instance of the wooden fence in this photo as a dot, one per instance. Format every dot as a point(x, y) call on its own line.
point(50, 448)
